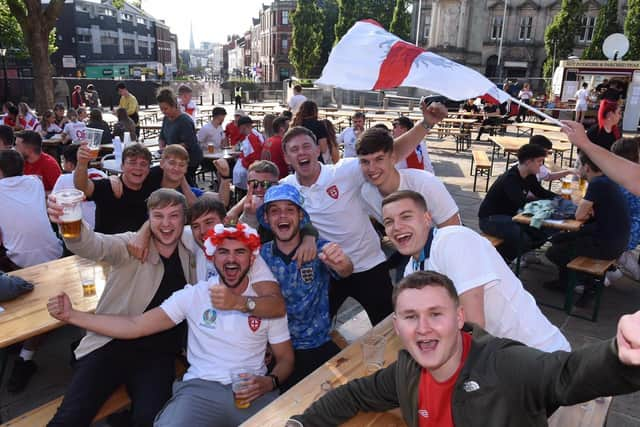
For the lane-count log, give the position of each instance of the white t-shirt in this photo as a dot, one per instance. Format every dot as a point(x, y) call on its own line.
point(295, 102)
point(65, 182)
point(420, 152)
point(26, 231)
point(510, 311)
point(582, 96)
point(339, 213)
point(191, 109)
point(205, 270)
point(222, 340)
point(210, 134)
point(440, 204)
point(348, 138)
point(75, 130)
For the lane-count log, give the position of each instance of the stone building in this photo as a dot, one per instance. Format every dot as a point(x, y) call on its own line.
point(469, 31)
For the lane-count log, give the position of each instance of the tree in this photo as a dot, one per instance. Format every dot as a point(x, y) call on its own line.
point(37, 22)
point(351, 11)
point(606, 24)
point(632, 30)
point(306, 38)
point(401, 22)
point(560, 36)
point(330, 10)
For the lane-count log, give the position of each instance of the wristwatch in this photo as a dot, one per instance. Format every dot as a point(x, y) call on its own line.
point(275, 380)
point(250, 305)
point(425, 125)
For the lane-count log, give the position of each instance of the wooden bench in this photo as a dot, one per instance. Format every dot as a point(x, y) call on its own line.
point(495, 241)
point(462, 138)
point(593, 267)
point(41, 415)
point(482, 166)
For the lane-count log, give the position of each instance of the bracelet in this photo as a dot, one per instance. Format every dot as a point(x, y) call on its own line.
point(425, 125)
point(275, 380)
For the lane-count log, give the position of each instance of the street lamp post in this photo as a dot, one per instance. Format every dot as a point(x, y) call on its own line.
point(418, 23)
point(3, 53)
point(504, 21)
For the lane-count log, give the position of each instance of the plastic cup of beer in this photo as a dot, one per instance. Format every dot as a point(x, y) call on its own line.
point(566, 193)
point(93, 137)
point(566, 183)
point(71, 219)
point(240, 381)
point(210, 148)
point(583, 186)
point(373, 352)
point(88, 279)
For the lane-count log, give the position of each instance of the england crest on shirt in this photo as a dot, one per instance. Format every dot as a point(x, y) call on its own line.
point(254, 323)
point(333, 192)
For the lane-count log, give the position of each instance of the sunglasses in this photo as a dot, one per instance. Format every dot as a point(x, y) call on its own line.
point(264, 184)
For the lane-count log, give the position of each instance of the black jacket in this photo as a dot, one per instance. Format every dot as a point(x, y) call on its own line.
point(502, 383)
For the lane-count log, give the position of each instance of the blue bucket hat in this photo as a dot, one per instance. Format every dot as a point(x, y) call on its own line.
point(282, 192)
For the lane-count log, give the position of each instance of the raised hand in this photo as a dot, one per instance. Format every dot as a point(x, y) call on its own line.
point(433, 113)
point(628, 338)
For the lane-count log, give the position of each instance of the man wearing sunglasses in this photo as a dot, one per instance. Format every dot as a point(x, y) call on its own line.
point(261, 175)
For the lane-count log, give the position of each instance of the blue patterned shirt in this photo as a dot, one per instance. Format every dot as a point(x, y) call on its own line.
point(633, 202)
point(306, 293)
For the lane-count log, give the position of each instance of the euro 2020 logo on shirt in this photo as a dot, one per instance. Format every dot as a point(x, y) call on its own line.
point(209, 317)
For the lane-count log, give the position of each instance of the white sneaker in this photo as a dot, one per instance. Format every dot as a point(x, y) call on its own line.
point(629, 261)
point(612, 276)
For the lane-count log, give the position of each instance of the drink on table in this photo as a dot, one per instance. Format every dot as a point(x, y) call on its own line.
point(71, 219)
point(210, 148)
point(88, 280)
point(566, 193)
point(373, 347)
point(566, 183)
point(583, 186)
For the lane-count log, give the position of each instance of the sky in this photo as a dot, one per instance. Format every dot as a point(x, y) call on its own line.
point(213, 20)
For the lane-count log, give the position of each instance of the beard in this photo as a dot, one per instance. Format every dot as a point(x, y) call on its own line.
point(241, 277)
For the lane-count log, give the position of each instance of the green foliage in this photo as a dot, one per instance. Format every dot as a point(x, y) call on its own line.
point(606, 24)
point(11, 37)
point(563, 31)
point(306, 39)
point(401, 22)
point(351, 11)
point(118, 4)
point(632, 30)
point(330, 9)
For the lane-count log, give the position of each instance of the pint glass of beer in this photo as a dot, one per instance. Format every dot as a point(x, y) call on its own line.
point(71, 219)
point(566, 183)
point(239, 381)
point(211, 148)
point(93, 137)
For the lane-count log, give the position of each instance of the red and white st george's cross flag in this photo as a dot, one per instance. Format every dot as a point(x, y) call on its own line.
point(370, 58)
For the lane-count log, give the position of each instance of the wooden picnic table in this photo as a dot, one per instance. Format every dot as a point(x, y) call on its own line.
point(531, 127)
point(27, 316)
point(562, 225)
point(339, 370)
point(511, 144)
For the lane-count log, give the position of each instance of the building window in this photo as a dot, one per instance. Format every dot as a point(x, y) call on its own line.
point(285, 17)
point(526, 25)
point(285, 44)
point(108, 41)
point(82, 8)
point(127, 42)
point(107, 12)
point(586, 30)
point(84, 38)
point(140, 20)
point(127, 17)
point(427, 26)
point(495, 31)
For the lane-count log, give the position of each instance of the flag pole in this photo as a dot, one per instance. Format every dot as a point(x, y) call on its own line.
point(536, 111)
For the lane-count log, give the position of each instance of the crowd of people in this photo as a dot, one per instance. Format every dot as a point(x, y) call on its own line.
point(256, 284)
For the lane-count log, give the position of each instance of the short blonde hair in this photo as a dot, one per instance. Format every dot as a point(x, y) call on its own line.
point(164, 197)
point(175, 150)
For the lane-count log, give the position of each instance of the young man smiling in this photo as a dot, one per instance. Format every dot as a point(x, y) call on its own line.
point(146, 365)
point(219, 342)
point(333, 201)
point(305, 287)
point(452, 373)
point(492, 296)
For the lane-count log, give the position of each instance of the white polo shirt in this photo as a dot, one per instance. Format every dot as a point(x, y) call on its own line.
point(348, 138)
point(205, 270)
point(222, 340)
point(440, 204)
point(209, 134)
point(509, 310)
point(339, 214)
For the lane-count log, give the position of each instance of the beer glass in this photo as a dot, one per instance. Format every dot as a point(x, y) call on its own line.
point(93, 137)
point(71, 219)
point(239, 381)
point(566, 183)
point(373, 352)
point(210, 148)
